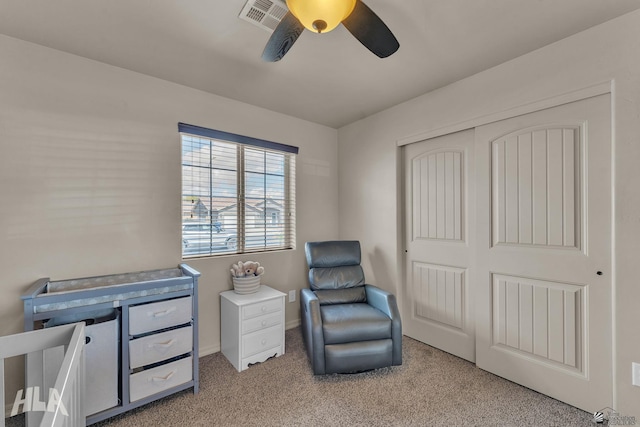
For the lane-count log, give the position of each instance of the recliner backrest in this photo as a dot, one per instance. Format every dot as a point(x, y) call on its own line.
point(335, 273)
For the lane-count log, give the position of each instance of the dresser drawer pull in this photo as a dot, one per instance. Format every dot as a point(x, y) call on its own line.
point(162, 345)
point(263, 342)
point(264, 308)
point(264, 323)
point(164, 312)
point(166, 378)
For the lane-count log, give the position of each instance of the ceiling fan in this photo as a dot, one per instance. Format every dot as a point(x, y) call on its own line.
point(322, 16)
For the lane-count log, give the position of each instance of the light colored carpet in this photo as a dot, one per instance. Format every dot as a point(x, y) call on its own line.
point(431, 388)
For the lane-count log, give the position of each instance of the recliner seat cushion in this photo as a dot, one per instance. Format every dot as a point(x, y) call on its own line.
point(343, 323)
point(342, 296)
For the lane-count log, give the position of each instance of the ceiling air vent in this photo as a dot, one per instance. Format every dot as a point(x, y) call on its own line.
point(265, 14)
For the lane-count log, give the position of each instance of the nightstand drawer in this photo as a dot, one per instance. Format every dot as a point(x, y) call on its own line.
point(261, 322)
point(264, 307)
point(159, 347)
point(152, 381)
point(151, 317)
point(260, 341)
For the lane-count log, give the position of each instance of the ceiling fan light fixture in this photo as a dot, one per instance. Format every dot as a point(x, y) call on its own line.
point(321, 16)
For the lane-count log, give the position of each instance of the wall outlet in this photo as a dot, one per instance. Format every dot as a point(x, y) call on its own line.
point(635, 374)
point(292, 296)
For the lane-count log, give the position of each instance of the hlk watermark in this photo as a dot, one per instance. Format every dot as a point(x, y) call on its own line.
point(32, 403)
point(611, 417)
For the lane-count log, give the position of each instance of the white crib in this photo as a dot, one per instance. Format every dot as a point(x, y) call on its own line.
point(61, 379)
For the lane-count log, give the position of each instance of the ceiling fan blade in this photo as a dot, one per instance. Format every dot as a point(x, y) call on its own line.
point(369, 29)
point(283, 37)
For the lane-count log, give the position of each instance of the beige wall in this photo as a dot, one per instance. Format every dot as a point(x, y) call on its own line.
point(90, 178)
point(369, 186)
point(90, 173)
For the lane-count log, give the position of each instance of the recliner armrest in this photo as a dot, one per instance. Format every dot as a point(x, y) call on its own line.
point(381, 300)
point(312, 324)
point(386, 303)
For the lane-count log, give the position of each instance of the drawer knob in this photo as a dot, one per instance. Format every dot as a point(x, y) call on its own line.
point(263, 342)
point(264, 308)
point(264, 323)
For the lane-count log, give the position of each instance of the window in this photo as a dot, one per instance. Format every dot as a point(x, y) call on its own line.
point(238, 193)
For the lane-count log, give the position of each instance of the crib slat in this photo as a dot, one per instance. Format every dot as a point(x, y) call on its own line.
point(69, 382)
point(2, 391)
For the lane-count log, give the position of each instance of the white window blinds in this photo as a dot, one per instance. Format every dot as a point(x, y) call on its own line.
point(238, 193)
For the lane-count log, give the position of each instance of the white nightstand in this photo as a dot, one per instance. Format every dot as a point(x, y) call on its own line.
point(251, 326)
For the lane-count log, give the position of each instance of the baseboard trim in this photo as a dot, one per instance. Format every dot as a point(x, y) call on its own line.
point(292, 324)
point(206, 351)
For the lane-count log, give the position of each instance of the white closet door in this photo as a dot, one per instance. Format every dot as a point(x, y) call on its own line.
point(438, 297)
point(544, 251)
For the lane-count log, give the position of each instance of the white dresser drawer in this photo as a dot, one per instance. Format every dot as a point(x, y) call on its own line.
point(264, 307)
point(152, 381)
point(159, 347)
point(262, 322)
point(260, 341)
point(151, 317)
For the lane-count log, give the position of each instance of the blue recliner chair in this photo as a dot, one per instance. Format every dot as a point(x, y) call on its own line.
point(348, 326)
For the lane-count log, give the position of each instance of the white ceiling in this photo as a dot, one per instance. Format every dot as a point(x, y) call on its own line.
point(329, 79)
